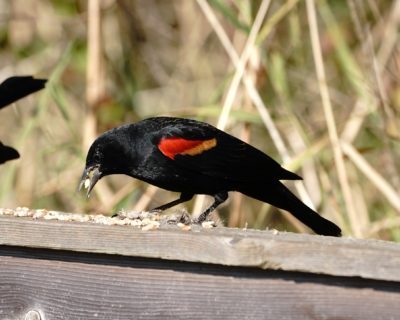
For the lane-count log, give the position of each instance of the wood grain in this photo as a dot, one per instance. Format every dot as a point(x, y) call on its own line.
point(230, 247)
point(68, 285)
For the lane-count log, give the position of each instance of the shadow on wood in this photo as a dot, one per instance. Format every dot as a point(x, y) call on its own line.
point(67, 285)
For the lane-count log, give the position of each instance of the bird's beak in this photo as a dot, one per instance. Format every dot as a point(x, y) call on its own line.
point(89, 178)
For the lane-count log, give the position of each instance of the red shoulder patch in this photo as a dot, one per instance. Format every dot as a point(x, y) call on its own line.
point(170, 147)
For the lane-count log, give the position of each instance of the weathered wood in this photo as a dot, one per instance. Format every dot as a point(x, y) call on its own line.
point(371, 259)
point(71, 285)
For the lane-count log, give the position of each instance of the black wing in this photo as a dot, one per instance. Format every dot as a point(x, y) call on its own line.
point(218, 154)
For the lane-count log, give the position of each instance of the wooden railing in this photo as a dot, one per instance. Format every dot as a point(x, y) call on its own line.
point(75, 270)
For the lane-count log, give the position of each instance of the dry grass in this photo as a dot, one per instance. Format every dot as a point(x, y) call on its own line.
point(312, 83)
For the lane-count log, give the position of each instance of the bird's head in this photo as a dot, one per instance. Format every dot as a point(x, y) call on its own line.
point(109, 154)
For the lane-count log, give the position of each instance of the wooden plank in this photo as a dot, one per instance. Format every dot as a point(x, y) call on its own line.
point(71, 285)
point(231, 247)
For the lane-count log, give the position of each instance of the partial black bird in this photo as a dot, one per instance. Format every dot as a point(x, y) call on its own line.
point(15, 88)
point(7, 153)
point(193, 157)
point(11, 90)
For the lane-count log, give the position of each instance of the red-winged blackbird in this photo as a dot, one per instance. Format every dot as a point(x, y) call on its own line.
point(193, 157)
point(13, 89)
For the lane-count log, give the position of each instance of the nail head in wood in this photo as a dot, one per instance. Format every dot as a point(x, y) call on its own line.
point(33, 315)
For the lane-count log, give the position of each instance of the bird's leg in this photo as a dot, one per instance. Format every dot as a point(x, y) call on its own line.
point(183, 198)
point(218, 199)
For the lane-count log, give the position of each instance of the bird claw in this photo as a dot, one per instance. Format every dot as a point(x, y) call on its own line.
point(183, 218)
point(155, 210)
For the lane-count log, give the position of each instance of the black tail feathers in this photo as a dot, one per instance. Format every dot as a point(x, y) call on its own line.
point(315, 222)
point(280, 196)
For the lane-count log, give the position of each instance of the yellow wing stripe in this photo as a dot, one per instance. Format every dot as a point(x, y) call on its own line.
point(200, 148)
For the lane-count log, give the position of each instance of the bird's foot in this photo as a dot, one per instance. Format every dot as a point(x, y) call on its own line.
point(183, 217)
point(155, 210)
point(207, 224)
point(201, 218)
point(133, 215)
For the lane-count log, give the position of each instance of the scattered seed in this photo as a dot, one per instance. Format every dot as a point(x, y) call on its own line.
point(208, 224)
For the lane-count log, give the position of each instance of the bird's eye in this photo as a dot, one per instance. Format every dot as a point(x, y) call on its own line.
point(97, 157)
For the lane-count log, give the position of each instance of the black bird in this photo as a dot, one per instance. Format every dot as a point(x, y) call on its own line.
point(193, 157)
point(15, 88)
point(11, 90)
